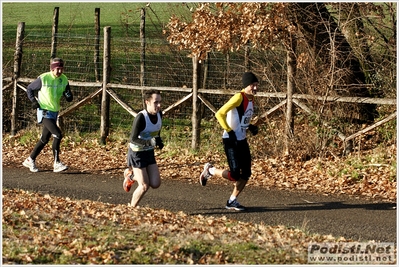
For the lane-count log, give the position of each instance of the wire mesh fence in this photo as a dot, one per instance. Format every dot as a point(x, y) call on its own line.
point(165, 66)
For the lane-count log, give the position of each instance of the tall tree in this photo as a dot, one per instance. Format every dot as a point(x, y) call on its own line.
point(330, 43)
point(323, 31)
point(231, 26)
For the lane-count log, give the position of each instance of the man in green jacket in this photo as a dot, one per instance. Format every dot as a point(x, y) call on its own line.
point(50, 87)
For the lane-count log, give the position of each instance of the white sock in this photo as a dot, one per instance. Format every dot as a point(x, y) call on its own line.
point(232, 198)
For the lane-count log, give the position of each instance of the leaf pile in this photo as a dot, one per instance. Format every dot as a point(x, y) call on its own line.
point(46, 229)
point(42, 229)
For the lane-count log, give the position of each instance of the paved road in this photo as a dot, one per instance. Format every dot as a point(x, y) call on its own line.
point(339, 216)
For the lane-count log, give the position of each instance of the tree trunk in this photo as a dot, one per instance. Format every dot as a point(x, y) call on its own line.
point(322, 31)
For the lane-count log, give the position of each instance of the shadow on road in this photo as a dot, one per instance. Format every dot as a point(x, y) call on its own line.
point(305, 207)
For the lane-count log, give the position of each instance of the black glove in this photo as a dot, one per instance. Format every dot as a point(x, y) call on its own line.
point(35, 105)
point(68, 95)
point(158, 142)
point(253, 129)
point(232, 138)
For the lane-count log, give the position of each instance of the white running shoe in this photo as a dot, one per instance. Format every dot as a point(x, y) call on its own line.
point(30, 163)
point(59, 167)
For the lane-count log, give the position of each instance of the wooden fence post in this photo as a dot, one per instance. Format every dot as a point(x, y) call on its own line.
point(105, 101)
point(97, 33)
point(196, 117)
point(17, 72)
point(54, 33)
point(97, 44)
point(142, 52)
point(289, 119)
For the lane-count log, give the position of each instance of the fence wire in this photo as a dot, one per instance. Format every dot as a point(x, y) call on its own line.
point(165, 66)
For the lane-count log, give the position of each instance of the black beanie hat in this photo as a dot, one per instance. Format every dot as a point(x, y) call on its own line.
point(248, 78)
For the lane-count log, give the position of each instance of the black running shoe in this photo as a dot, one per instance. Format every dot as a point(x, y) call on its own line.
point(234, 206)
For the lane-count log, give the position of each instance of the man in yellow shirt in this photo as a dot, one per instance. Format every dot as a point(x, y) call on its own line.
point(235, 117)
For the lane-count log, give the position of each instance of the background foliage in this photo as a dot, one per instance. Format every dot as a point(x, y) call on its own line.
point(369, 172)
point(369, 27)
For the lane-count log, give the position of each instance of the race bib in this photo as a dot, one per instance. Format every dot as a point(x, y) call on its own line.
point(39, 115)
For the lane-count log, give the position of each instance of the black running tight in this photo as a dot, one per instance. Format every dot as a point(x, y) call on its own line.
point(50, 128)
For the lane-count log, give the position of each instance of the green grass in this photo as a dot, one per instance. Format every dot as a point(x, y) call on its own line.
point(76, 27)
point(78, 17)
point(76, 40)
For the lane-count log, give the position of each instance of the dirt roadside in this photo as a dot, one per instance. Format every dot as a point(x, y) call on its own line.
point(336, 215)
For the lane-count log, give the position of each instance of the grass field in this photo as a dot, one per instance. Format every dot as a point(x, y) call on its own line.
point(80, 15)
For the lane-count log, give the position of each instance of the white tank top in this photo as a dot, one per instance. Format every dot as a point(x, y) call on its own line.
point(237, 125)
point(151, 130)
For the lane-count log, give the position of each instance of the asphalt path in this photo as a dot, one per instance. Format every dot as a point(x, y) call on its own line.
point(340, 216)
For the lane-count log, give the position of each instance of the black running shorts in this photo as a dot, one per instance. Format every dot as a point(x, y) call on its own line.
point(140, 159)
point(238, 158)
